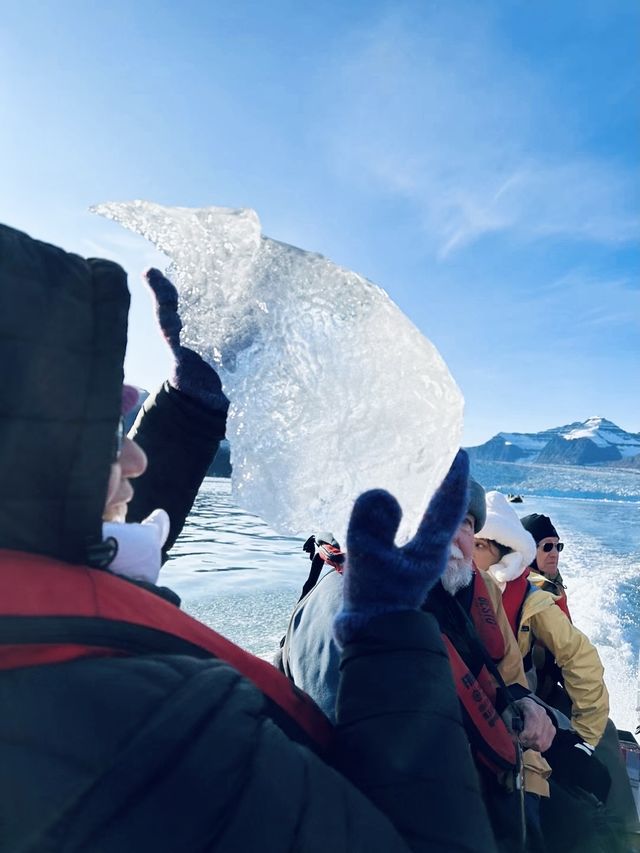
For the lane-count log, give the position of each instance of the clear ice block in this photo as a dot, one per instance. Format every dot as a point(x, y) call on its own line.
point(333, 390)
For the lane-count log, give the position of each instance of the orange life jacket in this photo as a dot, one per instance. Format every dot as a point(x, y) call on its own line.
point(52, 612)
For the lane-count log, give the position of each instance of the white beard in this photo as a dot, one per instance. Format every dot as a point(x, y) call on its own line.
point(459, 571)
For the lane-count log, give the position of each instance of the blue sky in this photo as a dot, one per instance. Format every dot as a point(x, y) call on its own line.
point(477, 160)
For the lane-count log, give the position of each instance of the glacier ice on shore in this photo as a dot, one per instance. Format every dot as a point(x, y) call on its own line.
point(333, 390)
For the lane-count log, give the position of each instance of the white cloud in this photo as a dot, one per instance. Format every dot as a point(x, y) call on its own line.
point(439, 112)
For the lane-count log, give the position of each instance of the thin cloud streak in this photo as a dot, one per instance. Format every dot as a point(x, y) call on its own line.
point(464, 132)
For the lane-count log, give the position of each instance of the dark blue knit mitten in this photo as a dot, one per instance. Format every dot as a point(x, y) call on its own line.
point(380, 577)
point(192, 375)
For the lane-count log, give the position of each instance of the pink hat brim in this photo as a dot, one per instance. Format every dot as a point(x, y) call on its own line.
point(130, 397)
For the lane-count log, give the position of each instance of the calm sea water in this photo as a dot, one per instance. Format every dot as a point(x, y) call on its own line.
point(240, 577)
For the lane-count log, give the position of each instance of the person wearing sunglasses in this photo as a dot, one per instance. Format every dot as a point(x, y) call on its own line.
point(128, 461)
point(552, 684)
point(504, 549)
point(545, 573)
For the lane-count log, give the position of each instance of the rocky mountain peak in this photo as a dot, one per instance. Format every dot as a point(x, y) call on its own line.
point(593, 441)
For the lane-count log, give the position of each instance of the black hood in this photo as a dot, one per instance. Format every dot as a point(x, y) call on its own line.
point(63, 333)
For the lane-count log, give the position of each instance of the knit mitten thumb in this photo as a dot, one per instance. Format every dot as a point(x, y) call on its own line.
point(191, 375)
point(380, 577)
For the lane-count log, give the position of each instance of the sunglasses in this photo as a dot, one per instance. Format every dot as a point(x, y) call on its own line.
point(118, 440)
point(549, 546)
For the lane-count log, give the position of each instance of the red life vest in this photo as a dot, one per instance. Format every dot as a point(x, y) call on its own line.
point(485, 619)
point(563, 603)
point(558, 591)
point(513, 598)
point(494, 745)
point(86, 612)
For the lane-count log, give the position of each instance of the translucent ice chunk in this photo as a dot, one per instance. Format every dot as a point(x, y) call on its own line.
point(333, 390)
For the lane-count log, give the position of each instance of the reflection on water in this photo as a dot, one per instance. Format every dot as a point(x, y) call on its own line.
point(234, 573)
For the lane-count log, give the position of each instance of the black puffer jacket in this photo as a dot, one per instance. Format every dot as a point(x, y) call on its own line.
point(166, 753)
point(180, 437)
point(113, 740)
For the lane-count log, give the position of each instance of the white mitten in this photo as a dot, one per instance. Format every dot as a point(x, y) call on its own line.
point(139, 555)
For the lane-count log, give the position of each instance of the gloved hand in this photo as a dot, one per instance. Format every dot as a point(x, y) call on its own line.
point(380, 577)
point(192, 375)
point(572, 762)
point(326, 547)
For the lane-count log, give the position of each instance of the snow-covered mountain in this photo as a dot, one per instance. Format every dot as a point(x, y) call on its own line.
point(593, 441)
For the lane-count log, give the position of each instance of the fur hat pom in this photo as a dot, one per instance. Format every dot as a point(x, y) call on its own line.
point(502, 525)
point(510, 567)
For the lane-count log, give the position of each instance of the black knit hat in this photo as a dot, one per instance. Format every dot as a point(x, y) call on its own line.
point(539, 526)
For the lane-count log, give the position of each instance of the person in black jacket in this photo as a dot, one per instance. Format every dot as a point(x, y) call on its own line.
point(126, 724)
point(180, 426)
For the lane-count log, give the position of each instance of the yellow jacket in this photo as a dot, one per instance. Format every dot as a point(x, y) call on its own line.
point(556, 587)
point(576, 656)
point(536, 768)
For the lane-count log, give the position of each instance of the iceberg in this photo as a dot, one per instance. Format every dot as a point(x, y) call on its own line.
point(333, 390)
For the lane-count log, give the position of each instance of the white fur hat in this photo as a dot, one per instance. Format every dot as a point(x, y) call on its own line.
point(503, 526)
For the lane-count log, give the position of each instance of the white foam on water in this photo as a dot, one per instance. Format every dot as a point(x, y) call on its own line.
point(595, 603)
point(600, 566)
point(333, 390)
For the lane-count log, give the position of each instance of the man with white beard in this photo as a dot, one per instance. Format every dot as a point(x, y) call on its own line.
point(538, 731)
point(499, 716)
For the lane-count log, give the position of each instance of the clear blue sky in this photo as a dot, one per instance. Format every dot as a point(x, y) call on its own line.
point(478, 160)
